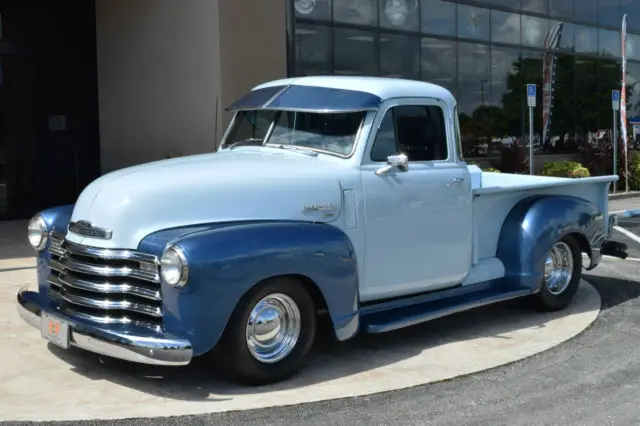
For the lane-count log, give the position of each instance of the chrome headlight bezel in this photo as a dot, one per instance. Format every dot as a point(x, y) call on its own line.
point(37, 227)
point(174, 268)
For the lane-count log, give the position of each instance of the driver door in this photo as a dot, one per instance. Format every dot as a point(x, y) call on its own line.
point(418, 220)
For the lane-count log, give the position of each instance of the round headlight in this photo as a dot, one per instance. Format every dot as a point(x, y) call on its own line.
point(37, 232)
point(173, 267)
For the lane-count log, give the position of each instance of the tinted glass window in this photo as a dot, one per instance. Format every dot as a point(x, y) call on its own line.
point(415, 130)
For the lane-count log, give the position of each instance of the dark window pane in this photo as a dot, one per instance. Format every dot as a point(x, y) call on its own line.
point(399, 56)
point(512, 4)
point(505, 85)
point(473, 76)
point(313, 47)
point(631, 8)
point(586, 103)
point(418, 131)
point(633, 86)
point(538, 6)
point(586, 39)
point(586, 10)
point(473, 22)
point(354, 52)
point(313, 9)
point(560, 122)
point(534, 31)
point(400, 14)
point(609, 13)
point(561, 8)
point(505, 27)
point(363, 12)
point(438, 17)
point(609, 43)
point(531, 73)
point(439, 63)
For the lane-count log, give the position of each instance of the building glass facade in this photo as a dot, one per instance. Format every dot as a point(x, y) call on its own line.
point(485, 52)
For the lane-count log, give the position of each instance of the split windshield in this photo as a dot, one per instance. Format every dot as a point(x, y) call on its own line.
point(333, 133)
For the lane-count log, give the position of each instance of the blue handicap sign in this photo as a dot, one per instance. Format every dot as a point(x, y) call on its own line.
point(531, 89)
point(615, 96)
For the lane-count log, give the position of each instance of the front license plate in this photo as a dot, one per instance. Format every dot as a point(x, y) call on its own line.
point(55, 330)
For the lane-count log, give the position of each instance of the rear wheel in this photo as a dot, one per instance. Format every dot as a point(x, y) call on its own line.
point(562, 272)
point(270, 332)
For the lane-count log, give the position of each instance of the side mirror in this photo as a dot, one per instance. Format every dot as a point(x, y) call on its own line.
point(397, 161)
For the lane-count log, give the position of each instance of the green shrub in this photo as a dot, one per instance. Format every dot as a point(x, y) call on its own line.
point(491, 169)
point(634, 170)
point(567, 169)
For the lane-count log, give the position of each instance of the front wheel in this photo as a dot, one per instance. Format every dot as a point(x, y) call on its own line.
point(270, 332)
point(562, 271)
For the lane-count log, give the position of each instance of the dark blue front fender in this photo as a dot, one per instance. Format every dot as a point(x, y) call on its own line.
point(534, 224)
point(225, 261)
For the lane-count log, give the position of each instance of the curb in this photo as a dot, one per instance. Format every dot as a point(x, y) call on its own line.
point(624, 195)
point(626, 213)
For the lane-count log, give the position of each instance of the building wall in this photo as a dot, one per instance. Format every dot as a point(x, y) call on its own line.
point(168, 69)
point(158, 79)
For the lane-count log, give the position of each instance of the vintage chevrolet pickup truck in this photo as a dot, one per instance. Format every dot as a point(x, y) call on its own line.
point(337, 199)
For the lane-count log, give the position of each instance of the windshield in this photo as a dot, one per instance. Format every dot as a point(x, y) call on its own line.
point(334, 133)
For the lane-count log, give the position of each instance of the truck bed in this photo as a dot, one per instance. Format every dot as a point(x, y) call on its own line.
point(496, 193)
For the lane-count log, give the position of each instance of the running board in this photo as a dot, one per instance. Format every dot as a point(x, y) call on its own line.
point(393, 319)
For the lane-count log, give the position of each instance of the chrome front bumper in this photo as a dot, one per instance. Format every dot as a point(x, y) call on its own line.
point(144, 350)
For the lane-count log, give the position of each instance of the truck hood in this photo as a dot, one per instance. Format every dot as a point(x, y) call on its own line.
point(242, 184)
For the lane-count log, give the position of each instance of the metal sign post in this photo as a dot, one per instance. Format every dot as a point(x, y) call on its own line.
point(531, 102)
point(615, 106)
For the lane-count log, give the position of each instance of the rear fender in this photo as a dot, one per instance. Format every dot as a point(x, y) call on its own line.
point(535, 223)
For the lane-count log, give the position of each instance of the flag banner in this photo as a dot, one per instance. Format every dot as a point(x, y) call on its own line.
point(623, 88)
point(551, 42)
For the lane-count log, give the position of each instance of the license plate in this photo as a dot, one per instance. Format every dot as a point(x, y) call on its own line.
point(55, 330)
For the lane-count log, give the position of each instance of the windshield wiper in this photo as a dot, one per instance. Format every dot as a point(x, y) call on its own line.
point(301, 149)
point(245, 142)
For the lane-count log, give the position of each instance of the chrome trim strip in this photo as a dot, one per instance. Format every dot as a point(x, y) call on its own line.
point(105, 271)
point(106, 287)
point(107, 304)
point(144, 350)
point(111, 320)
point(108, 254)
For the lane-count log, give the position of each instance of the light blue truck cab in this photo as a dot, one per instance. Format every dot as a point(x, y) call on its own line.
point(338, 199)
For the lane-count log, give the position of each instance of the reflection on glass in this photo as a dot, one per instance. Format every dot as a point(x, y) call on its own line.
point(633, 46)
point(609, 43)
point(313, 9)
point(586, 10)
point(438, 17)
point(354, 52)
point(399, 56)
point(313, 44)
point(560, 130)
point(439, 63)
point(567, 36)
point(534, 31)
point(505, 27)
point(473, 22)
point(633, 84)
point(474, 93)
point(609, 13)
point(586, 39)
point(400, 14)
point(586, 85)
point(363, 12)
point(561, 8)
point(538, 6)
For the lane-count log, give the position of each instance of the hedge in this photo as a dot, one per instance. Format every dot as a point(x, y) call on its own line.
point(567, 169)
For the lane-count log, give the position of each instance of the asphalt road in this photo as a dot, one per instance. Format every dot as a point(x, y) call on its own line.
point(593, 379)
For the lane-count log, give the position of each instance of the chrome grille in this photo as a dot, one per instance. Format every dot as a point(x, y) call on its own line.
point(104, 285)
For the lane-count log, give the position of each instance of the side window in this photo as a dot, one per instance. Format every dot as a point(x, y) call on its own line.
point(415, 130)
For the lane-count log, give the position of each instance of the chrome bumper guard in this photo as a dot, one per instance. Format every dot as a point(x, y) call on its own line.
point(144, 350)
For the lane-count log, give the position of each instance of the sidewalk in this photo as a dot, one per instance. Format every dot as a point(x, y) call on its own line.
point(630, 203)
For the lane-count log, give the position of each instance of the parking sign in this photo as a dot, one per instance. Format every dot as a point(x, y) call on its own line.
point(615, 100)
point(531, 95)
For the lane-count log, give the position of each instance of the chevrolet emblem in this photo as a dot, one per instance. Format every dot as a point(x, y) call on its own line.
point(86, 228)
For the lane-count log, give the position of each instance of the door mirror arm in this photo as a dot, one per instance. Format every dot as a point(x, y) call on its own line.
point(396, 161)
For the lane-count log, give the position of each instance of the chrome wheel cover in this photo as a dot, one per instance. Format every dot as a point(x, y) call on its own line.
point(558, 268)
point(273, 328)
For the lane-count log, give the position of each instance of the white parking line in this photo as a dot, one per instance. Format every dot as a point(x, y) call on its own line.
point(629, 234)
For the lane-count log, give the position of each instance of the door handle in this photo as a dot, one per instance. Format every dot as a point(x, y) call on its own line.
point(456, 181)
